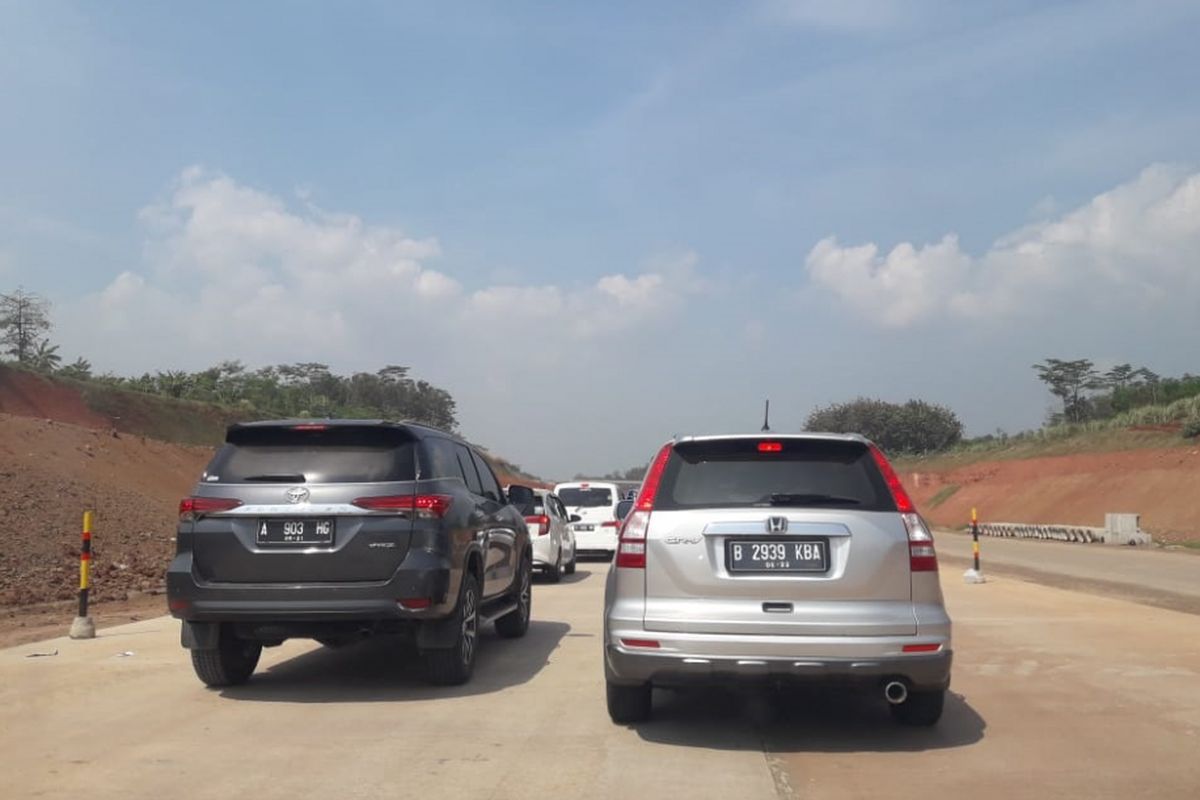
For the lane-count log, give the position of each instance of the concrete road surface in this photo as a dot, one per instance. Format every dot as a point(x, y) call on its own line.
point(1056, 694)
point(1167, 578)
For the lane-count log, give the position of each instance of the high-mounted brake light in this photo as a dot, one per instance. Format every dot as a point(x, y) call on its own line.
point(192, 508)
point(539, 525)
point(310, 427)
point(904, 504)
point(631, 548)
point(770, 447)
point(426, 506)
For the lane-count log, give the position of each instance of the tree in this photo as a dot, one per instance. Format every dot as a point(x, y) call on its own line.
point(80, 369)
point(1120, 376)
point(1070, 381)
point(24, 323)
point(46, 357)
point(914, 427)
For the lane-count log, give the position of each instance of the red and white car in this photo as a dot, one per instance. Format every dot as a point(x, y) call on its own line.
point(551, 536)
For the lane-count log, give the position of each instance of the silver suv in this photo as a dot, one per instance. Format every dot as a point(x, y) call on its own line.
point(775, 558)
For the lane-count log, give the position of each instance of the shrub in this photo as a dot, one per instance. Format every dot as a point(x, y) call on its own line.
point(1191, 428)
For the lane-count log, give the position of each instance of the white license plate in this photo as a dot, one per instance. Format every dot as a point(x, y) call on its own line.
point(585, 528)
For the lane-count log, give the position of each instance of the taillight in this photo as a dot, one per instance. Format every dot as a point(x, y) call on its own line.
point(921, 555)
point(425, 506)
point(192, 508)
point(631, 548)
point(542, 523)
point(904, 503)
point(612, 523)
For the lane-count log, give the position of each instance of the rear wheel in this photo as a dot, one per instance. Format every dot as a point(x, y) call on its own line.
point(628, 703)
point(452, 666)
point(921, 709)
point(230, 663)
point(570, 568)
point(515, 623)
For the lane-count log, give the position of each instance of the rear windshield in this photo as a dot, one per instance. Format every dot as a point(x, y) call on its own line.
point(330, 455)
point(803, 474)
point(586, 498)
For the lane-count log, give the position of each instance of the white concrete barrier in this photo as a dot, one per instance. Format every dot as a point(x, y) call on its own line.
point(1120, 529)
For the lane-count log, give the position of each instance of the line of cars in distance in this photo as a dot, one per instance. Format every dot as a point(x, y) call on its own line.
point(761, 557)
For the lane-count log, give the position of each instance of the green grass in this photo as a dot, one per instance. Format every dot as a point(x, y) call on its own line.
point(943, 494)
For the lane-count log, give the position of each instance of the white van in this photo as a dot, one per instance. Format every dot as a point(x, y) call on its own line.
point(595, 503)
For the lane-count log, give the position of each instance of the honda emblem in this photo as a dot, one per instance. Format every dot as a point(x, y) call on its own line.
point(777, 524)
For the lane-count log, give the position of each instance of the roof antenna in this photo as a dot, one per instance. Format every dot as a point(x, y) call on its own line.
point(767, 418)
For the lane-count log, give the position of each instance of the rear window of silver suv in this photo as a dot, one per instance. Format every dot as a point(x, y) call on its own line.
point(782, 473)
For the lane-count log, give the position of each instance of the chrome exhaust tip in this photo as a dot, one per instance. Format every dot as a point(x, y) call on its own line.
point(895, 692)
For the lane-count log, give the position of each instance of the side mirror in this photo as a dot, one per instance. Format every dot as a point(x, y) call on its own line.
point(623, 509)
point(521, 496)
point(575, 518)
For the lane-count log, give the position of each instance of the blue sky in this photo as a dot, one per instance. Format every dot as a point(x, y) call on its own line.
point(599, 224)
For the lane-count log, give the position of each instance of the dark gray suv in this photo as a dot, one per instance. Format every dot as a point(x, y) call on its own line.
point(339, 529)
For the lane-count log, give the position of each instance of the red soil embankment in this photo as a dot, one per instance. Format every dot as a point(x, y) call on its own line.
point(1163, 485)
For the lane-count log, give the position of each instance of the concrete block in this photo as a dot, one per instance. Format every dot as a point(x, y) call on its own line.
point(83, 628)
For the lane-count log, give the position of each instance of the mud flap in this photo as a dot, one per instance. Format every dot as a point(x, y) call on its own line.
point(438, 634)
point(200, 635)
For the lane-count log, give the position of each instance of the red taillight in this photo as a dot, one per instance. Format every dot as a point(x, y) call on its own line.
point(415, 603)
point(904, 504)
point(423, 505)
point(921, 555)
point(542, 522)
point(191, 508)
point(921, 648)
point(178, 604)
point(770, 447)
point(647, 643)
point(645, 498)
point(631, 547)
point(612, 523)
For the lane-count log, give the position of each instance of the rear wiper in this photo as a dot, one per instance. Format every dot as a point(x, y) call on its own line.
point(810, 500)
point(276, 477)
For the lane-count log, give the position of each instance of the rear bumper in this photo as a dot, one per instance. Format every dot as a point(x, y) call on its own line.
point(602, 541)
point(543, 550)
point(696, 659)
point(423, 575)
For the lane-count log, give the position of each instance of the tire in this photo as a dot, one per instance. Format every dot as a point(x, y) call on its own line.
point(554, 574)
point(230, 663)
point(628, 704)
point(921, 709)
point(452, 666)
point(570, 568)
point(515, 623)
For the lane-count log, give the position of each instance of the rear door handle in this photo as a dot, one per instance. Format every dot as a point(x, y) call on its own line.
point(777, 608)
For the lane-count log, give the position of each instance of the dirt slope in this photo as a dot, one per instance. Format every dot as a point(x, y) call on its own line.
point(1161, 484)
point(50, 472)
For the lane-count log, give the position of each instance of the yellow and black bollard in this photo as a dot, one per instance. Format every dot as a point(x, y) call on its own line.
point(975, 574)
point(83, 627)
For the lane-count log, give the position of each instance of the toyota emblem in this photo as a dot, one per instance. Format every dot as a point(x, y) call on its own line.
point(297, 494)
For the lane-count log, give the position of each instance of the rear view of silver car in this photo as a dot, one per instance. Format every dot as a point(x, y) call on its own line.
point(775, 558)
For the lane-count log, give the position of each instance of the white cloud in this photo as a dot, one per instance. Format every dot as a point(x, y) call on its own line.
point(1135, 244)
point(234, 272)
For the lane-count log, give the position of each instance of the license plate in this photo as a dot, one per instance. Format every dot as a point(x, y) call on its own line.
point(777, 555)
point(585, 528)
point(295, 531)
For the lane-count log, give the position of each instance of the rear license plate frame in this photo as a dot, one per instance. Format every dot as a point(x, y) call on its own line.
point(585, 527)
point(750, 564)
point(315, 532)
